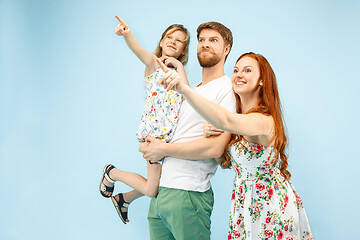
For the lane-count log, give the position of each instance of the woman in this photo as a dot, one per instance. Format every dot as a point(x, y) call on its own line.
point(264, 204)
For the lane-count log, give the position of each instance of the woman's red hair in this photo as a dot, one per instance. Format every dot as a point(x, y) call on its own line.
point(269, 104)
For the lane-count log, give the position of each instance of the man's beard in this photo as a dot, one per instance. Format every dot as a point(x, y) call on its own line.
point(208, 61)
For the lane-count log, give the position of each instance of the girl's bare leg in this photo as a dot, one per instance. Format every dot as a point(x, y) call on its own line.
point(141, 185)
point(148, 187)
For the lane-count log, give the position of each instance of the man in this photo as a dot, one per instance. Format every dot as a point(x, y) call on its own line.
point(183, 206)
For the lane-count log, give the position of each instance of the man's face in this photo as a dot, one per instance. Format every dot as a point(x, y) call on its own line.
point(211, 48)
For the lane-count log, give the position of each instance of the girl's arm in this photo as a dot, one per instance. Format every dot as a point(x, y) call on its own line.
point(252, 124)
point(148, 58)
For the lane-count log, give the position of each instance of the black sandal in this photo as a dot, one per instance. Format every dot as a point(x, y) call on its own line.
point(121, 204)
point(103, 188)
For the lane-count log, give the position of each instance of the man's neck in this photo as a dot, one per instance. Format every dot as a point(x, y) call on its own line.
point(212, 73)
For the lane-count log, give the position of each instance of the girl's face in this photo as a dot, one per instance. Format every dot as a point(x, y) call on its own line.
point(246, 76)
point(173, 45)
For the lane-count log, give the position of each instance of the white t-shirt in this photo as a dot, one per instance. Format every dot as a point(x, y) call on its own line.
point(194, 175)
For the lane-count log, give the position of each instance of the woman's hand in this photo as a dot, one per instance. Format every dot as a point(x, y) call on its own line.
point(122, 28)
point(209, 130)
point(171, 79)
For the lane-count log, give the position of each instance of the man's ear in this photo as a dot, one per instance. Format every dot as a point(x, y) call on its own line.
point(227, 49)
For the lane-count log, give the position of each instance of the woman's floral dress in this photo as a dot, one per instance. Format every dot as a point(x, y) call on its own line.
point(263, 205)
point(161, 110)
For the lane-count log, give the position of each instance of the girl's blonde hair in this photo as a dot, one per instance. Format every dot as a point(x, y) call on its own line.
point(183, 58)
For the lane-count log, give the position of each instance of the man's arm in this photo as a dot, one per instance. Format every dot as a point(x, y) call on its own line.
point(199, 149)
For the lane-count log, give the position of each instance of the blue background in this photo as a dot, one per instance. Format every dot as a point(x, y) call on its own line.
point(71, 96)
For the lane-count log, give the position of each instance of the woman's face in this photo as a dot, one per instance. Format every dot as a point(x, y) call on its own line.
point(173, 45)
point(246, 76)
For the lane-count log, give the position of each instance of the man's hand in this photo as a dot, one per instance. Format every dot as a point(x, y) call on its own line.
point(152, 149)
point(143, 146)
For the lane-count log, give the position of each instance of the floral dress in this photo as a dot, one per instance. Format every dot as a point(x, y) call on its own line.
point(263, 205)
point(161, 110)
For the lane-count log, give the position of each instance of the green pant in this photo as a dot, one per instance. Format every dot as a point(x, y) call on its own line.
point(181, 215)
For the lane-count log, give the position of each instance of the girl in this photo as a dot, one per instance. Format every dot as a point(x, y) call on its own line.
point(264, 203)
point(160, 112)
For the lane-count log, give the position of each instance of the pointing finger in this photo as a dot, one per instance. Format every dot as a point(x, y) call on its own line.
point(162, 66)
point(120, 20)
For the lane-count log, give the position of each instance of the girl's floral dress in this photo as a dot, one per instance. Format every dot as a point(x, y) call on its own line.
point(161, 110)
point(263, 205)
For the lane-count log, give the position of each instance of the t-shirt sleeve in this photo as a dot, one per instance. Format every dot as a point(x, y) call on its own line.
point(227, 99)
